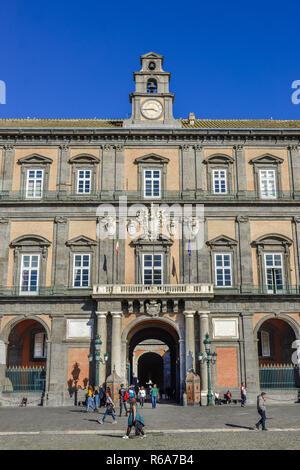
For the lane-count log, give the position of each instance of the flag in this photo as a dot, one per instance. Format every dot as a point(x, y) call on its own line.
point(190, 249)
point(117, 247)
point(104, 263)
point(173, 268)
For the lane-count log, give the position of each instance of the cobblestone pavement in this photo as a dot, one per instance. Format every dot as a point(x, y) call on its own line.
point(167, 427)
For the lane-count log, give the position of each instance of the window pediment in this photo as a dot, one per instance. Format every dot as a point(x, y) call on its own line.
point(144, 241)
point(272, 239)
point(34, 158)
point(219, 158)
point(30, 240)
point(221, 241)
point(84, 158)
point(266, 159)
point(81, 240)
point(152, 158)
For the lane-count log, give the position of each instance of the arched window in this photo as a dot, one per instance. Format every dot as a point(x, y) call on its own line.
point(152, 86)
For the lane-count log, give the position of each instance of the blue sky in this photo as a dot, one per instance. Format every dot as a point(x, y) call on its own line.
point(73, 59)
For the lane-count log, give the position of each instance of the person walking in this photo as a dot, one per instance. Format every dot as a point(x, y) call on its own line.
point(90, 399)
point(243, 394)
point(142, 396)
point(110, 409)
point(261, 409)
point(124, 395)
point(155, 395)
point(96, 398)
point(102, 396)
point(136, 420)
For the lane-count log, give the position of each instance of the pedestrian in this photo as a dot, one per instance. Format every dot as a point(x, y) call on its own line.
point(218, 401)
point(136, 420)
point(124, 395)
point(110, 409)
point(131, 392)
point(227, 397)
point(89, 399)
point(102, 396)
point(155, 395)
point(261, 409)
point(243, 394)
point(96, 398)
point(142, 396)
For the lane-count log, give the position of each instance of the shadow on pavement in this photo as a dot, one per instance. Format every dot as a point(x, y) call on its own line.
point(240, 427)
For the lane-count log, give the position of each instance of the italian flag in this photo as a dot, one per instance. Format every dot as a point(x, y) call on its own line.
point(117, 247)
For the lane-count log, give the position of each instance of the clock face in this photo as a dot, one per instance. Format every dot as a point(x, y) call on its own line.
point(152, 109)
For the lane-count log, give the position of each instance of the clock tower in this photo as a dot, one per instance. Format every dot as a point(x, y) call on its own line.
point(152, 103)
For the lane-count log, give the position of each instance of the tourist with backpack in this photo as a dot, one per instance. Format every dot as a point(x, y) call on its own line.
point(110, 408)
point(136, 420)
point(124, 395)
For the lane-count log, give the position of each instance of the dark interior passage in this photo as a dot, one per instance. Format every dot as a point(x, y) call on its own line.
point(150, 367)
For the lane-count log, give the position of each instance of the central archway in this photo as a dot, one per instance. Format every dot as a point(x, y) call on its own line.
point(152, 350)
point(151, 367)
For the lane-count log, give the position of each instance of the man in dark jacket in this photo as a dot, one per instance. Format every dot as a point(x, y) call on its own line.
point(261, 409)
point(101, 396)
point(122, 392)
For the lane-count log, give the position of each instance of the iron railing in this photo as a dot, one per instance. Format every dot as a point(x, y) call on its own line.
point(280, 377)
point(25, 379)
point(139, 195)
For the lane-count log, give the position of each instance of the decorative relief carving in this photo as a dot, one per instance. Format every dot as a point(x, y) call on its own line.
point(60, 220)
point(242, 219)
point(153, 308)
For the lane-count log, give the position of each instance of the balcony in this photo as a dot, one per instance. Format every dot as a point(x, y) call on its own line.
point(147, 291)
point(188, 195)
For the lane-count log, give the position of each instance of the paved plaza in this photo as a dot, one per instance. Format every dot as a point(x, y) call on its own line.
point(167, 427)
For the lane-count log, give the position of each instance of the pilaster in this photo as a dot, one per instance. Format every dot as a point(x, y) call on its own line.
point(245, 254)
point(189, 341)
point(250, 357)
point(116, 342)
point(4, 249)
point(8, 160)
point(102, 332)
point(203, 329)
point(60, 274)
point(64, 168)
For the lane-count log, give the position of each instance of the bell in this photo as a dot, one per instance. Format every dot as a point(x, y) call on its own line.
point(151, 87)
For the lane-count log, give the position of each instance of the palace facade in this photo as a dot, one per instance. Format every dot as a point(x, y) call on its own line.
point(78, 260)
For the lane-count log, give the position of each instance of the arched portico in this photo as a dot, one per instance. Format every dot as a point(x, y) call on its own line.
point(164, 330)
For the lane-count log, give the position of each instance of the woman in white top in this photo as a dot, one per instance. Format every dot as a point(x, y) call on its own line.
point(142, 396)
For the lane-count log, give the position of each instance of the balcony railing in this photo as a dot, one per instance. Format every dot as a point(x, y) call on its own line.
point(256, 290)
point(173, 290)
point(198, 195)
point(14, 291)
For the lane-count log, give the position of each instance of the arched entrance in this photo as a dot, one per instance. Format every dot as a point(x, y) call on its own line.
point(153, 355)
point(26, 359)
point(151, 367)
point(275, 337)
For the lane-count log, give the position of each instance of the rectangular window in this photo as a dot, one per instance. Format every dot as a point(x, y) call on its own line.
point(81, 271)
point(39, 347)
point(152, 183)
point(84, 180)
point(265, 344)
point(29, 274)
point(152, 269)
point(219, 182)
point(267, 184)
point(274, 272)
point(223, 275)
point(34, 184)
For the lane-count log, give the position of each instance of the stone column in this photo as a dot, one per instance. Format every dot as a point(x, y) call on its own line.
point(295, 167)
point(102, 332)
point(204, 328)
point(64, 168)
point(245, 252)
point(296, 233)
point(108, 168)
point(116, 342)
point(250, 357)
point(60, 258)
point(188, 168)
point(189, 341)
point(3, 351)
point(240, 167)
point(4, 249)
point(182, 366)
point(8, 158)
point(57, 362)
